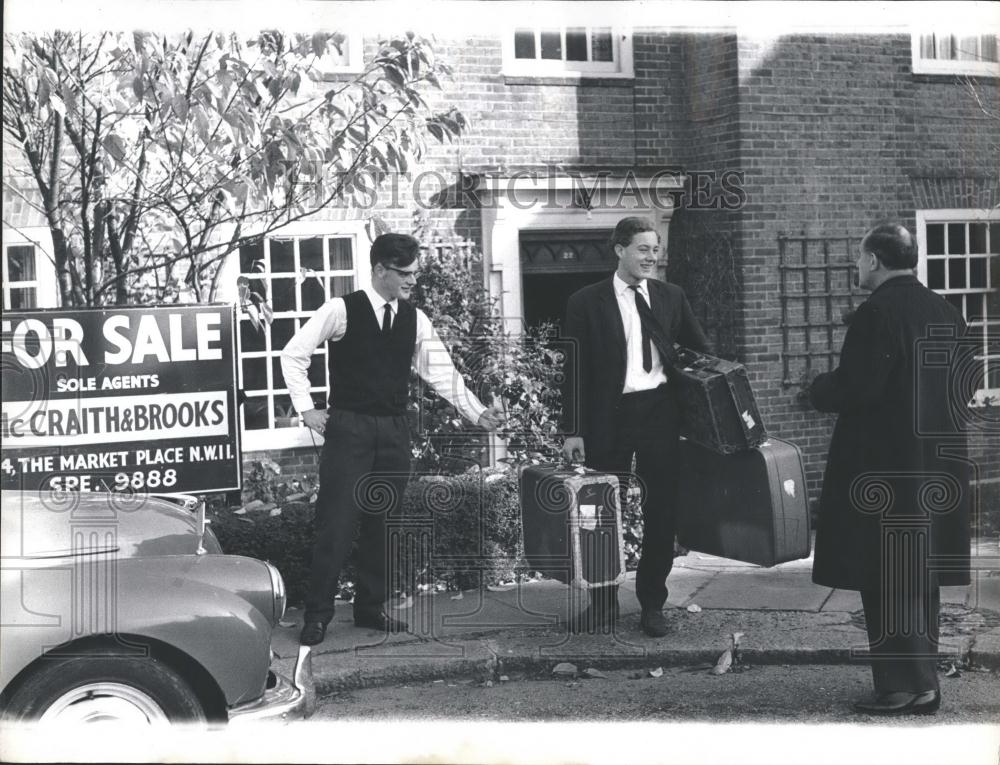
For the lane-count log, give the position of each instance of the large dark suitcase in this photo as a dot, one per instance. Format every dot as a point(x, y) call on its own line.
point(717, 406)
point(572, 525)
point(750, 506)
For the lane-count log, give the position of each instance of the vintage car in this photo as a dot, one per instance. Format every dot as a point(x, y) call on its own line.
point(118, 607)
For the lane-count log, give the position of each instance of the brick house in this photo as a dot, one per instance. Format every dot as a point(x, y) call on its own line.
point(762, 160)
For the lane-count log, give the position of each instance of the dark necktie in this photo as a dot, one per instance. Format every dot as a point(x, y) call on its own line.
point(645, 316)
point(386, 319)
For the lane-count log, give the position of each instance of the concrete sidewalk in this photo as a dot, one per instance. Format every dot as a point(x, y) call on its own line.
point(783, 616)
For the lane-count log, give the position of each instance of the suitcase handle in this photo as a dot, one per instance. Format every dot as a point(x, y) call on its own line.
point(688, 358)
point(576, 467)
point(747, 429)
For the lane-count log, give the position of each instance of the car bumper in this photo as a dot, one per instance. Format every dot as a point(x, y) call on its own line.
point(284, 699)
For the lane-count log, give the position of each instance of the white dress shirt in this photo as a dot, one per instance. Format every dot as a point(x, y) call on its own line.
point(431, 359)
point(636, 378)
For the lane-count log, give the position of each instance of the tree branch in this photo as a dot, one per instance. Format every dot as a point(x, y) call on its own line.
point(114, 244)
point(196, 67)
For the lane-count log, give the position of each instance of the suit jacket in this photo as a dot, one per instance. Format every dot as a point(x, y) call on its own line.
point(595, 365)
point(897, 456)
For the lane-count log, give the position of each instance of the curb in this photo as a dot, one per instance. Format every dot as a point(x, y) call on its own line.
point(985, 651)
point(350, 670)
point(330, 679)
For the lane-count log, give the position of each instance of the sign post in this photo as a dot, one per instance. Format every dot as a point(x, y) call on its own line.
point(122, 399)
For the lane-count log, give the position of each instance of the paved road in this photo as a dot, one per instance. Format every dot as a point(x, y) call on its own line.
point(764, 694)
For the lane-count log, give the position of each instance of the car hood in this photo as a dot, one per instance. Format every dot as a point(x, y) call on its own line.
point(43, 525)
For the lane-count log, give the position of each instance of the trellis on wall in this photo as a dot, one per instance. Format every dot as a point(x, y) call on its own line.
point(703, 261)
point(817, 296)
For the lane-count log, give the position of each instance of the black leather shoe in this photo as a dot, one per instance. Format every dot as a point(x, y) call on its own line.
point(901, 703)
point(653, 622)
point(380, 620)
point(591, 619)
point(312, 633)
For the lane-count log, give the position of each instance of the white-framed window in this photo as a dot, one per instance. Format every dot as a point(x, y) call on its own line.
point(943, 52)
point(20, 277)
point(960, 259)
point(559, 51)
point(333, 65)
point(297, 270)
point(349, 58)
point(28, 272)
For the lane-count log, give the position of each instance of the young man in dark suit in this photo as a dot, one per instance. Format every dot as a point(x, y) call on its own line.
point(894, 511)
point(619, 404)
point(374, 338)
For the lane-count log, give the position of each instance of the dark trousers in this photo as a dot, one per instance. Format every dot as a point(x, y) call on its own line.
point(363, 472)
point(902, 624)
point(647, 429)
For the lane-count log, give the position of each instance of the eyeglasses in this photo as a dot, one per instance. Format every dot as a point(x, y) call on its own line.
point(403, 272)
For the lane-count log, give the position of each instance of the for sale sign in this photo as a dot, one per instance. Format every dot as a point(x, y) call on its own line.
point(120, 399)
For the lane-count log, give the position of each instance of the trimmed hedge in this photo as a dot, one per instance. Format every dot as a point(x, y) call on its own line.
point(473, 521)
point(284, 539)
point(458, 532)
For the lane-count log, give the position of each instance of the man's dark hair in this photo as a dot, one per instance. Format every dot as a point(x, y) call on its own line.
point(893, 245)
point(627, 228)
point(398, 250)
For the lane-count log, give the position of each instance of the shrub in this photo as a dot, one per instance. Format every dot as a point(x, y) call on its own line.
point(274, 522)
point(632, 526)
point(473, 520)
point(521, 372)
point(987, 522)
point(283, 536)
point(263, 483)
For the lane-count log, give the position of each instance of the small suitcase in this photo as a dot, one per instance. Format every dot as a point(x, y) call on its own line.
point(717, 406)
point(750, 506)
point(572, 525)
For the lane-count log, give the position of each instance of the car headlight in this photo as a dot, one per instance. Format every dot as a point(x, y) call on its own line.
point(278, 591)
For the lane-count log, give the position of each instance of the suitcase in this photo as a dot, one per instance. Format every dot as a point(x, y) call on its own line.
point(572, 525)
point(750, 506)
point(717, 406)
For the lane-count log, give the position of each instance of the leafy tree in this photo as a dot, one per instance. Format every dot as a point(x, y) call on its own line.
point(155, 156)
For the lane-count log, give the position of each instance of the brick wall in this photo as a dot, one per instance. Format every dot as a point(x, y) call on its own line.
point(16, 209)
point(705, 243)
point(517, 122)
point(304, 460)
point(835, 132)
point(662, 124)
point(952, 163)
point(19, 186)
point(830, 131)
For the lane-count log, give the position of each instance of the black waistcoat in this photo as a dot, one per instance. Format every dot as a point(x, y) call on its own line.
point(370, 371)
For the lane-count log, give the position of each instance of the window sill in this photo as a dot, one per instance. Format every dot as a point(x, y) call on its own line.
point(340, 75)
point(926, 74)
point(279, 438)
point(571, 80)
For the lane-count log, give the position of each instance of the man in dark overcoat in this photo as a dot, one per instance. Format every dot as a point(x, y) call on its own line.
point(894, 511)
point(618, 403)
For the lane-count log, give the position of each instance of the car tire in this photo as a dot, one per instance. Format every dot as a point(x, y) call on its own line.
point(100, 688)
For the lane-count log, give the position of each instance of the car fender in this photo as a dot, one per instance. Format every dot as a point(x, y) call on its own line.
point(187, 602)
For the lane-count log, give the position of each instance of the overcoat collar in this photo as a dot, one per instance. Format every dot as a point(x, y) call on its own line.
point(897, 281)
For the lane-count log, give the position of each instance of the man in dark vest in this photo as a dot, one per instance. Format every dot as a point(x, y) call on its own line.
point(894, 511)
point(618, 404)
point(374, 337)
